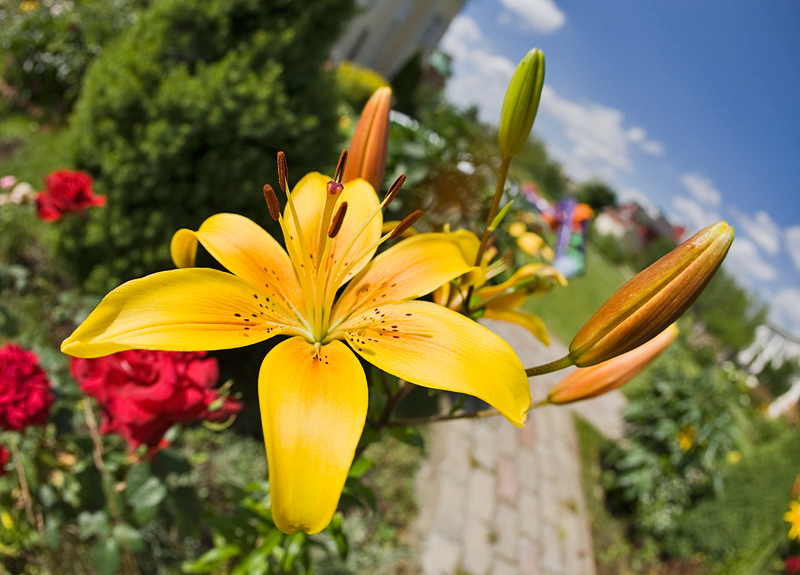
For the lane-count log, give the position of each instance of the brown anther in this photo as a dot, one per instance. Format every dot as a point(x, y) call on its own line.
point(339, 173)
point(283, 172)
point(336, 222)
point(335, 188)
point(394, 189)
point(409, 221)
point(272, 202)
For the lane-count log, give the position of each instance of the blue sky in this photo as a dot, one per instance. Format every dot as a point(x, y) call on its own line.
point(691, 107)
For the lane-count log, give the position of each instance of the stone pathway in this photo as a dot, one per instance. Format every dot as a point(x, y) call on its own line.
point(499, 500)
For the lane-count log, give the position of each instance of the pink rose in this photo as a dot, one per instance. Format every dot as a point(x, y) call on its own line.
point(25, 396)
point(67, 191)
point(144, 393)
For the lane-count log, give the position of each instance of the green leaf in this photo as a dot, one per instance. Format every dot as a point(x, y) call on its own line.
point(52, 530)
point(500, 215)
point(360, 467)
point(211, 561)
point(137, 475)
point(408, 434)
point(148, 494)
point(170, 461)
point(292, 547)
point(360, 493)
point(91, 524)
point(129, 537)
point(107, 556)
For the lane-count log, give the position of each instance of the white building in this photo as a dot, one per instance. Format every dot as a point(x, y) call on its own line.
point(387, 33)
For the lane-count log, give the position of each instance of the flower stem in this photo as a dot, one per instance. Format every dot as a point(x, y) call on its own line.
point(487, 230)
point(556, 365)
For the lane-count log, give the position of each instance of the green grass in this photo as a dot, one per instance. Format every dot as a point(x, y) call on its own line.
point(30, 151)
point(565, 309)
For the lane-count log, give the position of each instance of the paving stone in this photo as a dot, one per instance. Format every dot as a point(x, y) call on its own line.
point(527, 470)
point(478, 548)
point(552, 546)
point(527, 436)
point(503, 567)
point(507, 480)
point(485, 449)
point(505, 436)
point(506, 529)
point(529, 515)
point(528, 558)
point(481, 495)
point(440, 556)
point(450, 507)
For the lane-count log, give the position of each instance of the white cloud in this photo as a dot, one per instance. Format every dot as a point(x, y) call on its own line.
point(696, 215)
point(785, 308)
point(702, 189)
point(745, 257)
point(595, 131)
point(792, 237)
point(541, 15)
point(479, 76)
point(762, 230)
point(638, 136)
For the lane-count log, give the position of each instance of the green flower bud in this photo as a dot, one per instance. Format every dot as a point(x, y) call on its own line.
point(652, 299)
point(521, 104)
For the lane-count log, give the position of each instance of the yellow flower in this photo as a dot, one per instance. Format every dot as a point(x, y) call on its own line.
point(793, 517)
point(685, 437)
point(312, 388)
point(502, 301)
point(733, 457)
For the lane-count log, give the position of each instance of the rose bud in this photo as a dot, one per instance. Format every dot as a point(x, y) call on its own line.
point(367, 153)
point(521, 104)
point(653, 298)
point(587, 382)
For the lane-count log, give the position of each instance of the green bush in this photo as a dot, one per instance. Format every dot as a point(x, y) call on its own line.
point(680, 427)
point(743, 527)
point(47, 47)
point(357, 83)
point(181, 118)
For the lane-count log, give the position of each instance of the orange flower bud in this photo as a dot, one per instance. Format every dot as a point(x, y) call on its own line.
point(652, 299)
point(586, 382)
point(367, 153)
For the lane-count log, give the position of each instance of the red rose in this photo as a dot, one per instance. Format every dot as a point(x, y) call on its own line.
point(143, 393)
point(25, 396)
point(792, 565)
point(5, 455)
point(67, 191)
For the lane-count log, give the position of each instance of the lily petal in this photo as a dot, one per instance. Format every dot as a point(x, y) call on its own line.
point(246, 250)
point(533, 323)
point(179, 310)
point(433, 346)
point(313, 408)
point(408, 270)
point(362, 201)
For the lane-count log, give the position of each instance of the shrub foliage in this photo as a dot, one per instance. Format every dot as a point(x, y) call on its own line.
point(181, 118)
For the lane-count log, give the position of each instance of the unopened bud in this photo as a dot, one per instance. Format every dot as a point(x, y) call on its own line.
point(336, 222)
point(521, 103)
point(273, 205)
point(409, 221)
point(367, 152)
point(653, 298)
point(587, 382)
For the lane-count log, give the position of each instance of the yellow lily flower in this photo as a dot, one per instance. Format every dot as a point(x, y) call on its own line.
point(502, 301)
point(312, 388)
point(793, 518)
